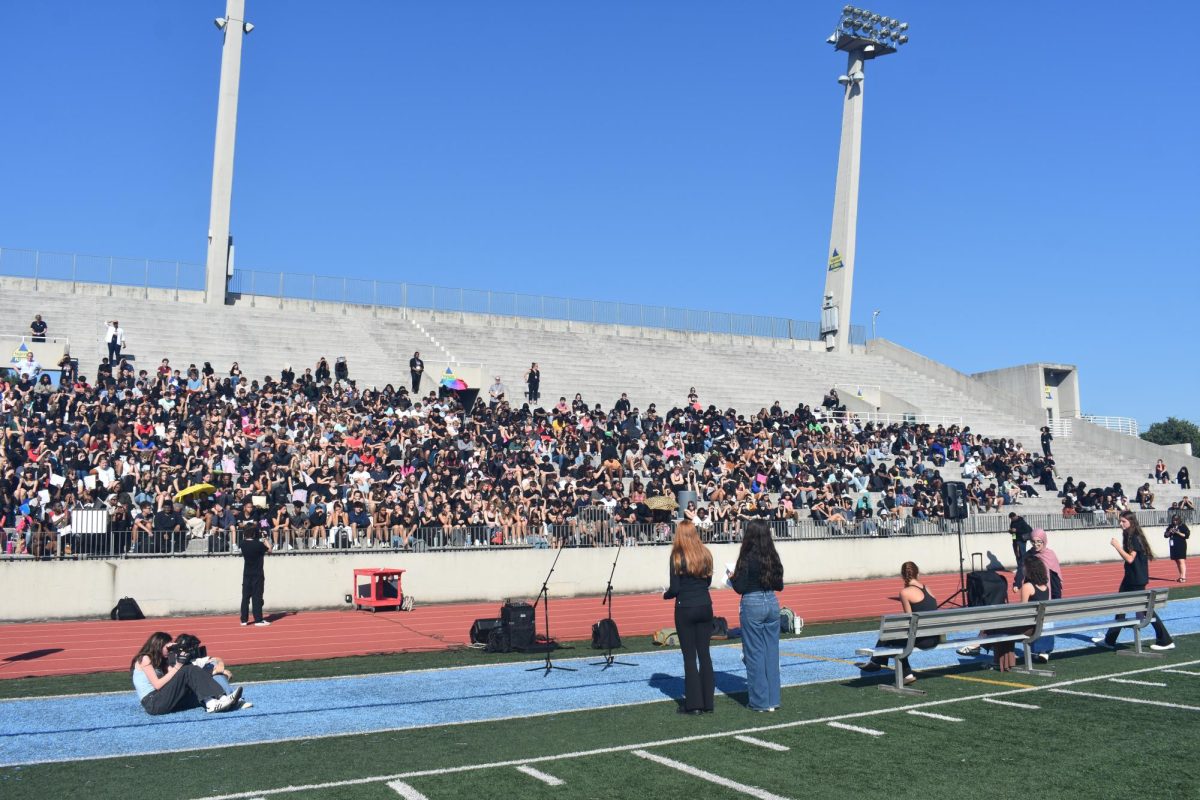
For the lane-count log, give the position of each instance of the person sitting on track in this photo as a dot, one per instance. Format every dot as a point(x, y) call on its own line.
point(913, 597)
point(163, 687)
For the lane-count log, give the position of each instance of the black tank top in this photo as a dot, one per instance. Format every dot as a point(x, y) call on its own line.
point(1040, 594)
point(926, 603)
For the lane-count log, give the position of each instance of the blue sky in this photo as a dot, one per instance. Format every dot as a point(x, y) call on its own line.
point(1028, 189)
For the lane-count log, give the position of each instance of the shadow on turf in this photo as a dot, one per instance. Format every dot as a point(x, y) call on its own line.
point(730, 684)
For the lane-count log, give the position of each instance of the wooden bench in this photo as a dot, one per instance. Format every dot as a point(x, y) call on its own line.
point(1049, 617)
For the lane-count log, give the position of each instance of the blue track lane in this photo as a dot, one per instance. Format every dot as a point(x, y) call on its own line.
point(109, 725)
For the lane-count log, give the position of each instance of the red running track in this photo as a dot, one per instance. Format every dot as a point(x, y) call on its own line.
point(68, 648)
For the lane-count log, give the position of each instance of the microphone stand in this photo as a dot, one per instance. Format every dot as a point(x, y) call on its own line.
point(959, 598)
point(609, 658)
point(544, 595)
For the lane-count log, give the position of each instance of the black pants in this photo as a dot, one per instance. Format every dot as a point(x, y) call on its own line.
point(694, 626)
point(902, 663)
point(190, 687)
point(252, 590)
point(1161, 635)
point(416, 381)
point(1019, 548)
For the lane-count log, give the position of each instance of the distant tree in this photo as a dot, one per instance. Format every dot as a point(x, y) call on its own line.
point(1174, 431)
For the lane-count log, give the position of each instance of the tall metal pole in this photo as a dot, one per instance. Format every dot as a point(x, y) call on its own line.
point(219, 241)
point(863, 36)
point(839, 274)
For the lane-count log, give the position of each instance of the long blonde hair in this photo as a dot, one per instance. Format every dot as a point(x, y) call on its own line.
point(689, 556)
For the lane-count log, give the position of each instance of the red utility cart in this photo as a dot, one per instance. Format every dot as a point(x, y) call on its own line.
point(376, 588)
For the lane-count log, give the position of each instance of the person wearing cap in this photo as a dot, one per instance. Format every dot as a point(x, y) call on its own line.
point(496, 393)
point(114, 337)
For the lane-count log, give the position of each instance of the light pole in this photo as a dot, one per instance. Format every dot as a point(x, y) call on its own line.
point(220, 243)
point(862, 35)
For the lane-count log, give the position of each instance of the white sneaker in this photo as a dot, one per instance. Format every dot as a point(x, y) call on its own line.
point(219, 704)
point(1041, 658)
point(262, 623)
point(1168, 646)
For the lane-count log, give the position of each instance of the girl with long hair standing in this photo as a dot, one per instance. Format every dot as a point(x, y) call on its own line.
point(757, 576)
point(1134, 550)
point(691, 575)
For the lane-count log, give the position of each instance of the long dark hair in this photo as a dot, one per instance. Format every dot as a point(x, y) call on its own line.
point(153, 648)
point(757, 543)
point(1134, 533)
point(1035, 570)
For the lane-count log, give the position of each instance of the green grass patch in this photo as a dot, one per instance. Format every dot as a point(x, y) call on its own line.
point(1073, 746)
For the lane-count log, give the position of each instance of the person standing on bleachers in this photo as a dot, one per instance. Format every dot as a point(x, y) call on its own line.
point(533, 383)
point(416, 368)
point(114, 337)
point(37, 328)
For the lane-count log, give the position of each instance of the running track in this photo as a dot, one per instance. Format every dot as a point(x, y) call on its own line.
point(67, 648)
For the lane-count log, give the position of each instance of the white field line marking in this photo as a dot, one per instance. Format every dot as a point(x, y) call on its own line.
point(696, 772)
point(1138, 683)
point(931, 715)
point(549, 780)
point(600, 751)
point(406, 791)
point(1026, 706)
point(1159, 703)
point(843, 726)
point(1182, 672)
point(779, 748)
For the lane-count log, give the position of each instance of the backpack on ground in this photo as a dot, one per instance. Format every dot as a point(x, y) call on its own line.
point(498, 641)
point(605, 635)
point(720, 628)
point(126, 608)
point(787, 621)
point(665, 637)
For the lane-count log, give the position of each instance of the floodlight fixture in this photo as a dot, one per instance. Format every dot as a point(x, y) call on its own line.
point(247, 27)
point(870, 34)
point(221, 22)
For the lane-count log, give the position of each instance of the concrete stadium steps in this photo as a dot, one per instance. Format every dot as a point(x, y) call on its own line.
point(599, 362)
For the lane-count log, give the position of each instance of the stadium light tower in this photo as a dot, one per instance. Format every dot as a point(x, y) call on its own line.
point(862, 35)
point(219, 264)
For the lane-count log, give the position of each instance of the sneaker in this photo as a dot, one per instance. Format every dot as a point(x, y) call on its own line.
point(236, 695)
point(868, 666)
point(1041, 658)
point(245, 704)
point(967, 651)
point(219, 704)
point(262, 623)
point(910, 679)
point(1100, 640)
point(1167, 646)
point(244, 624)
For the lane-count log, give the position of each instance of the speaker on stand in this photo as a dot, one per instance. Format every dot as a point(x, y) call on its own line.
point(954, 497)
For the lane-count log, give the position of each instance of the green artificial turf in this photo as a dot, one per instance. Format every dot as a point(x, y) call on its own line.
point(1072, 747)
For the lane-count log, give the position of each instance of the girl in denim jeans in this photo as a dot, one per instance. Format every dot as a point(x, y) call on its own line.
point(757, 575)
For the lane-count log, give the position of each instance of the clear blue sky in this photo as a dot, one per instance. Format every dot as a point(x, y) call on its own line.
point(1029, 187)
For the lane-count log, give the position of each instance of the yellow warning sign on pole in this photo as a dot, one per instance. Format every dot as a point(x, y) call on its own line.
point(835, 261)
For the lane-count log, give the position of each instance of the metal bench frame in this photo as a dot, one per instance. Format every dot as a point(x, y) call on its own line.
point(1053, 617)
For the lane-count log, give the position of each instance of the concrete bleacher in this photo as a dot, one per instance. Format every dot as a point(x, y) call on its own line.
point(598, 361)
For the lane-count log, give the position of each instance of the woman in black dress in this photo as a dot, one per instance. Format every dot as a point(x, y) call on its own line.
point(533, 383)
point(1134, 550)
point(913, 597)
point(691, 575)
point(1177, 535)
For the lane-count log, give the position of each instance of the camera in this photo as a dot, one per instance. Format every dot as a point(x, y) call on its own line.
point(187, 648)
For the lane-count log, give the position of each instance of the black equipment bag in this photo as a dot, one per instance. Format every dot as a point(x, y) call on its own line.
point(520, 635)
point(720, 628)
point(986, 588)
point(497, 641)
point(605, 635)
point(127, 608)
point(482, 628)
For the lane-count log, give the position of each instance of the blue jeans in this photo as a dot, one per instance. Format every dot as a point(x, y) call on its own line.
point(759, 614)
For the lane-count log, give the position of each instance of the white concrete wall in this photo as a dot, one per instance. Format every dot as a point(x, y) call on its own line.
point(164, 587)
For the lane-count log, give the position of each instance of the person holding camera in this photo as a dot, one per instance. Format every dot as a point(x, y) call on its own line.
point(254, 548)
point(164, 687)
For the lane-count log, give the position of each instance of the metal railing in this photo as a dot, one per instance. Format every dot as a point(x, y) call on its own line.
point(74, 268)
point(599, 531)
point(1125, 425)
point(888, 418)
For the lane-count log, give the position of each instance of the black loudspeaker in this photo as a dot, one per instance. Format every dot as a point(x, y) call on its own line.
point(954, 494)
point(986, 588)
point(520, 635)
point(481, 628)
point(515, 613)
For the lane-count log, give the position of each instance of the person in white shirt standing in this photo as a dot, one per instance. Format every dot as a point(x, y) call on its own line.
point(114, 337)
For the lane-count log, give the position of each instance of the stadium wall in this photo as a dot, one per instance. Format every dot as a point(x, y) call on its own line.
point(208, 585)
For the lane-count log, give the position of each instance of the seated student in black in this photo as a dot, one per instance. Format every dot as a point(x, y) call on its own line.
point(913, 597)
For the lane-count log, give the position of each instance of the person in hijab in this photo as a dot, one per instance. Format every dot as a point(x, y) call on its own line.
point(1043, 647)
